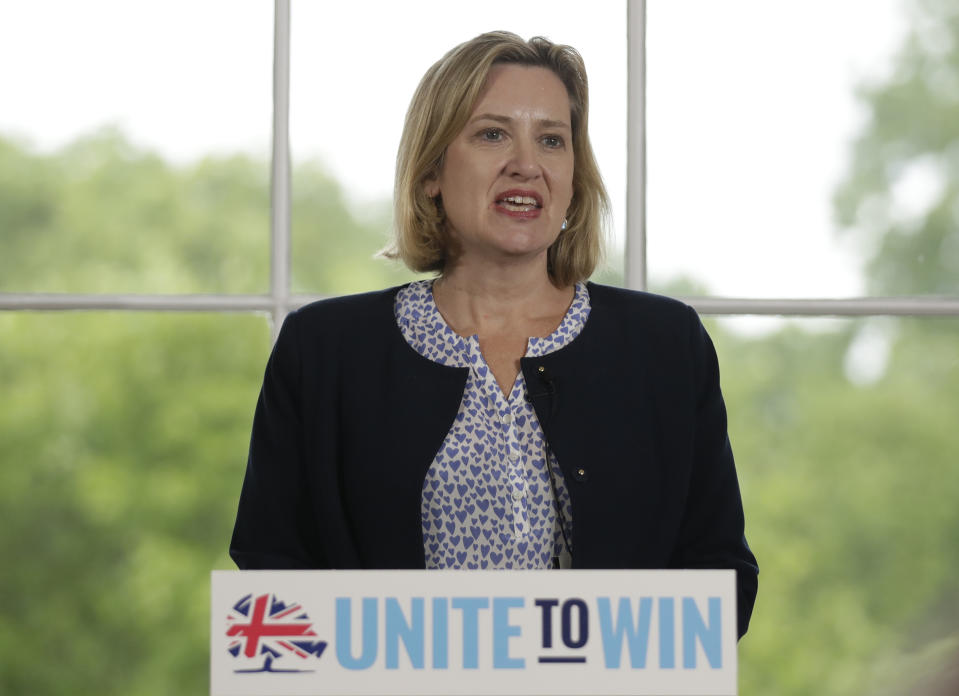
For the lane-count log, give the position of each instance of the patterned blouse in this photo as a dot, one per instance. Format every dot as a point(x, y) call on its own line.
point(487, 498)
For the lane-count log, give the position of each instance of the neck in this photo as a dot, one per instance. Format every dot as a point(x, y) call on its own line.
point(489, 300)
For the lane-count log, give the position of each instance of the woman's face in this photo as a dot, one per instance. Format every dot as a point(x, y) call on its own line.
point(507, 179)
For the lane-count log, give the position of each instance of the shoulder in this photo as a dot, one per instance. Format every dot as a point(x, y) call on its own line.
point(663, 330)
point(328, 329)
point(644, 311)
point(347, 308)
point(368, 314)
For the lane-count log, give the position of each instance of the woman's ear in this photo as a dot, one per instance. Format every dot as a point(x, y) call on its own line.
point(431, 186)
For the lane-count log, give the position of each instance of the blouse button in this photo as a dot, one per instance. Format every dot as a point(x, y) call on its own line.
point(517, 494)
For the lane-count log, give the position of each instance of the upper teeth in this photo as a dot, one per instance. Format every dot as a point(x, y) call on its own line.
point(521, 200)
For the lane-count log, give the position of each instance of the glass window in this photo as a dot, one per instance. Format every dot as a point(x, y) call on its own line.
point(786, 140)
point(124, 444)
point(845, 440)
point(130, 132)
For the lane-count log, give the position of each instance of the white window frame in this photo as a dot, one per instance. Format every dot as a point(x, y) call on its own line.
point(281, 300)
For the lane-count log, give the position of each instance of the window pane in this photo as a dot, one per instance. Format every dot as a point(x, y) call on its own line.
point(798, 150)
point(845, 439)
point(349, 100)
point(123, 450)
point(134, 141)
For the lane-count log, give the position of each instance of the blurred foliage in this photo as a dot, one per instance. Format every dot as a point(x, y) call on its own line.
point(140, 225)
point(333, 246)
point(137, 223)
point(850, 494)
point(124, 434)
point(121, 452)
point(909, 150)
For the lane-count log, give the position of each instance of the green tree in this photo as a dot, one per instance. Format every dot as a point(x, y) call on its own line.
point(912, 132)
point(124, 435)
point(852, 497)
point(135, 223)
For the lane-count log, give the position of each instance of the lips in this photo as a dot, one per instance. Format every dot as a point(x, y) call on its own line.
point(520, 203)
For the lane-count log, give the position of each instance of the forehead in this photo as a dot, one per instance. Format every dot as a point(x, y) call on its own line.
point(521, 91)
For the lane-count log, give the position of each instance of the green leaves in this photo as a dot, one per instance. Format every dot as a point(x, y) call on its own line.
point(913, 124)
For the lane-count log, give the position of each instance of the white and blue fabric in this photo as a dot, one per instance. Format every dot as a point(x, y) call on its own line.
point(487, 498)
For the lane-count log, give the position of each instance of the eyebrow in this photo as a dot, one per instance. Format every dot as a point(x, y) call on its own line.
point(548, 123)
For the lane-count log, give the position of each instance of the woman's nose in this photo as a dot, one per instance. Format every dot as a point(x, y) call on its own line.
point(523, 161)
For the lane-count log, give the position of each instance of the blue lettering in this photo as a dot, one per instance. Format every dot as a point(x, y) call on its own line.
point(636, 635)
point(502, 631)
point(344, 634)
point(667, 633)
point(710, 638)
point(398, 629)
point(470, 607)
point(440, 633)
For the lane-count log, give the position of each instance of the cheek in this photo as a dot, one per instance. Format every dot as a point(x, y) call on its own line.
point(458, 182)
point(563, 174)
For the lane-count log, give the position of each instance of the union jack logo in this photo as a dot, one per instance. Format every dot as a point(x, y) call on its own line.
point(264, 626)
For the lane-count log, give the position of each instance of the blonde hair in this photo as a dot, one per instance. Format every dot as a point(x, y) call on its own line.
point(440, 109)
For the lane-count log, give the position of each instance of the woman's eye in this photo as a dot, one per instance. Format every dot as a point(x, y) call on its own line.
point(553, 141)
point(492, 135)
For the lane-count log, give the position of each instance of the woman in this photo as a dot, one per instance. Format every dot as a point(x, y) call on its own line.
point(506, 414)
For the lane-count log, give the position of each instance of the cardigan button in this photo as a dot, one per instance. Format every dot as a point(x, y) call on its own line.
point(580, 474)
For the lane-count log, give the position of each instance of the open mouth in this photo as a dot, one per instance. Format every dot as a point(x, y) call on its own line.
point(519, 203)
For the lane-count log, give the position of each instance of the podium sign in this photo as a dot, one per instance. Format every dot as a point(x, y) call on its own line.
point(287, 633)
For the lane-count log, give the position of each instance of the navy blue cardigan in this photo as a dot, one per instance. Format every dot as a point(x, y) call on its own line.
point(350, 417)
